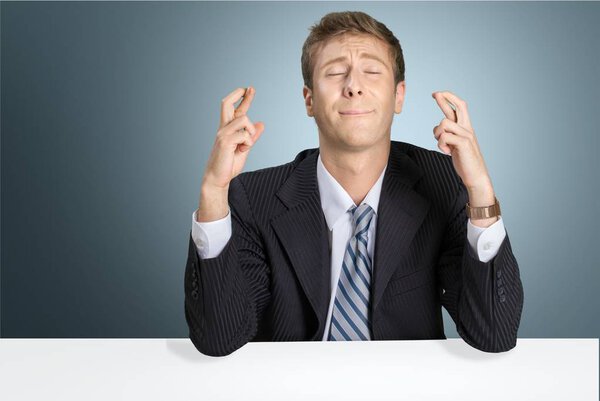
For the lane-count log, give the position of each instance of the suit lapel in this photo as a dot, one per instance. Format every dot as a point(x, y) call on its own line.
point(400, 214)
point(302, 230)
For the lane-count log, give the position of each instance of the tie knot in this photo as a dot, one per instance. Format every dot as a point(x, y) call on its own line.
point(361, 218)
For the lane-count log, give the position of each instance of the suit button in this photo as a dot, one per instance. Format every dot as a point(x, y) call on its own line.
point(500, 290)
point(195, 294)
point(499, 273)
point(499, 282)
point(502, 298)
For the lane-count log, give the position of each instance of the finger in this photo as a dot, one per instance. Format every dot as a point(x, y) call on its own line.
point(260, 127)
point(448, 142)
point(451, 126)
point(445, 106)
point(242, 109)
point(237, 124)
point(245, 140)
point(462, 113)
point(242, 140)
point(461, 109)
point(227, 109)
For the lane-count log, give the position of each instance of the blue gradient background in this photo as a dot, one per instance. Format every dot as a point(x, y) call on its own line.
point(109, 112)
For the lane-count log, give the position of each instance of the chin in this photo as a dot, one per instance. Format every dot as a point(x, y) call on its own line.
point(358, 141)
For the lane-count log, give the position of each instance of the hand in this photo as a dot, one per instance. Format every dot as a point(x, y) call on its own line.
point(235, 136)
point(456, 137)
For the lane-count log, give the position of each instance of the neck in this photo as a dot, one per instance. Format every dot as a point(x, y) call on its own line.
point(355, 171)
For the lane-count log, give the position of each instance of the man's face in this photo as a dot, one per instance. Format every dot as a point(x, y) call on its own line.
point(353, 99)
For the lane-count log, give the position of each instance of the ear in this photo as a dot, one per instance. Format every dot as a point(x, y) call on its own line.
point(400, 89)
point(308, 100)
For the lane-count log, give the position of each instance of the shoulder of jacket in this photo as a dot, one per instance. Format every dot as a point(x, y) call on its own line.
point(260, 186)
point(424, 158)
point(274, 173)
point(435, 165)
point(418, 154)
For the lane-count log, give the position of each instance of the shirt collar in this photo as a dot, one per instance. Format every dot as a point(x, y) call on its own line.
point(335, 201)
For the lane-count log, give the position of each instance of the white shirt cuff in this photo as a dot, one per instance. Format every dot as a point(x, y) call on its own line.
point(485, 242)
point(212, 236)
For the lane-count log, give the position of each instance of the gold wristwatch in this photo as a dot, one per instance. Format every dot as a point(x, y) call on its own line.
point(483, 212)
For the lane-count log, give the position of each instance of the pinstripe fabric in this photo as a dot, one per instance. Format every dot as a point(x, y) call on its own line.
point(271, 281)
point(350, 318)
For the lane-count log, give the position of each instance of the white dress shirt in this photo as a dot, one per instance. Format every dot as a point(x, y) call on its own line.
point(211, 237)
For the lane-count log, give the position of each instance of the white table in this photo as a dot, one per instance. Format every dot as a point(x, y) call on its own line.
point(172, 369)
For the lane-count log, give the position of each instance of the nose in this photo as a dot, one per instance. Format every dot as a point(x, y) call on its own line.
point(352, 87)
point(351, 92)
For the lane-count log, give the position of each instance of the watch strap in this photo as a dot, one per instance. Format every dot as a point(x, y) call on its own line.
point(483, 212)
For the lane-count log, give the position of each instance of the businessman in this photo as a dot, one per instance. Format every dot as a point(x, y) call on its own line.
point(362, 238)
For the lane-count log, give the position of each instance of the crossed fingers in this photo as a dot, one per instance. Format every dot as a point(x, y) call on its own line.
point(229, 111)
point(453, 107)
point(455, 129)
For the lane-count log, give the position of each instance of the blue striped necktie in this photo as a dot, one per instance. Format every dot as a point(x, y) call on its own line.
point(350, 318)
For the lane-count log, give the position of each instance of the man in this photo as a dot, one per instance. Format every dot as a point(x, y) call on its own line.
point(363, 238)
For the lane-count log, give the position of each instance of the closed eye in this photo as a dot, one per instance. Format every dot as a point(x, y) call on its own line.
point(372, 72)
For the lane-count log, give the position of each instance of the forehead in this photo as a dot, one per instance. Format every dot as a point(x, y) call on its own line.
point(351, 45)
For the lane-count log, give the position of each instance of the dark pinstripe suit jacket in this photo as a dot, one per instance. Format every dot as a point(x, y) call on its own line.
point(271, 281)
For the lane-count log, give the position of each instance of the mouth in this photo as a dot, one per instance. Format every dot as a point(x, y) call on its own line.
point(355, 112)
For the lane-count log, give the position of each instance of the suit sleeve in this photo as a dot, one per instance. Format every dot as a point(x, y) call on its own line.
point(485, 299)
point(225, 295)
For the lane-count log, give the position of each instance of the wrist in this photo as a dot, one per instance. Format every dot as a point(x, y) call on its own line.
point(208, 189)
point(483, 208)
point(481, 195)
point(213, 204)
point(484, 223)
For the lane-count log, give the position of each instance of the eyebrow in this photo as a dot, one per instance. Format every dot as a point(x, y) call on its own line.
point(362, 55)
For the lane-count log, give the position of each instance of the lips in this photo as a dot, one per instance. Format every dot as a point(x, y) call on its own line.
point(354, 112)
